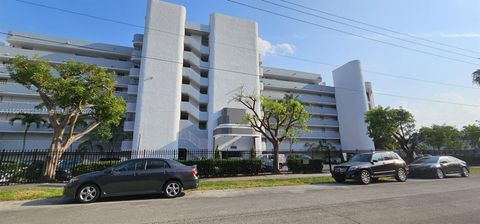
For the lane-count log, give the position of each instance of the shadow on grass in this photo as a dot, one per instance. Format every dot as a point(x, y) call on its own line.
point(68, 201)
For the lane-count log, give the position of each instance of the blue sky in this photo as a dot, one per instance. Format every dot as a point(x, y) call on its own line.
point(454, 22)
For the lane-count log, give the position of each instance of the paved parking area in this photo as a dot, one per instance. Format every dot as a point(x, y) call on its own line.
point(451, 200)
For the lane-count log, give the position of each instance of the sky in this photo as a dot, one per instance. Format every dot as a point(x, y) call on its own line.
point(452, 22)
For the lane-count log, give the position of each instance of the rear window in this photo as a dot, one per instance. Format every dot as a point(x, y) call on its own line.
point(175, 163)
point(156, 164)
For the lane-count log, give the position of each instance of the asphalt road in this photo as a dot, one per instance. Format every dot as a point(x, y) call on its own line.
point(451, 200)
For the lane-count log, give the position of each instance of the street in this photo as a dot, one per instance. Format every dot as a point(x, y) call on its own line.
point(451, 200)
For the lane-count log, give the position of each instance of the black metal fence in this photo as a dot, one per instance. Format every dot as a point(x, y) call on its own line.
point(18, 166)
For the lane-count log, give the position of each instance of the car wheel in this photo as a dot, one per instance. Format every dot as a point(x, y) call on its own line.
point(465, 172)
point(440, 174)
point(401, 175)
point(172, 189)
point(88, 193)
point(365, 177)
point(339, 180)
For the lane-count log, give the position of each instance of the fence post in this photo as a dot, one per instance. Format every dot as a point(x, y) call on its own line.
point(329, 161)
point(2, 155)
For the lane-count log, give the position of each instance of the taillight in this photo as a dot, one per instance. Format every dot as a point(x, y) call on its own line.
point(194, 172)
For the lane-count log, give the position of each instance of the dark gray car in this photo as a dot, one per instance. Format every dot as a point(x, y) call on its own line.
point(438, 167)
point(133, 177)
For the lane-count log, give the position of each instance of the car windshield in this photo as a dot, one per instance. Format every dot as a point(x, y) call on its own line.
point(430, 159)
point(361, 158)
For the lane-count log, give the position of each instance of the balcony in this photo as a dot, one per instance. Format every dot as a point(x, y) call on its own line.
point(126, 145)
point(194, 93)
point(321, 111)
point(123, 80)
point(16, 107)
point(137, 40)
point(195, 42)
point(195, 60)
point(136, 56)
point(4, 72)
point(195, 77)
point(124, 95)
point(8, 53)
point(304, 98)
point(319, 135)
point(134, 72)
point(314, 122)
point(128, 126)
point(16, 89)
point(193, 111)
point(18, 128)
point(131, 107)
point(297, 86)
point(132, 89)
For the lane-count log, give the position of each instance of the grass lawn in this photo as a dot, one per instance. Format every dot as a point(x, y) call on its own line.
point(18, 194)
point(222, 185)
point(475, 170)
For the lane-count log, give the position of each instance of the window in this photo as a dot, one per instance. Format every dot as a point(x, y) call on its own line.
point(204, 90)
point(205, 41)
point(204, 74)
point(183, 116)
point(131, 166)
point(3, 81)
point(202, 125)
point(156, 164)
point(185, 98)
point(204, 58)
point(388, 156)
point(203, 107)
point(187, 48)
point(186, 64)
point(185, 80)
point(377, 156)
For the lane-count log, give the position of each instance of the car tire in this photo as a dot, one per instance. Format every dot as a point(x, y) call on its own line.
point(365, 177)
point(465, 172)
point(401, 175)
point(88, 193)
point(439, 174)
point(339, 179)
point(172, 189)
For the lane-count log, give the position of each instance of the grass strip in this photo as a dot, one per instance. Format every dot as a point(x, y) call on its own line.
point(222, 185)
point(19, 194)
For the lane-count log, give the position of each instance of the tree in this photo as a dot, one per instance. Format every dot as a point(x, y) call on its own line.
point(380, 127)
point(471, 133)
point(389, 127)
point(278, 119)
point(476, 77)
point(78, 92)
point(439, 136)
point(27, 120)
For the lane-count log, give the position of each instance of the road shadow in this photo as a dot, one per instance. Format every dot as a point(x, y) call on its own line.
point(66, 201)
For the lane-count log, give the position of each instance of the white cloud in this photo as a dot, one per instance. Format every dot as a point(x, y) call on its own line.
point(266, 48)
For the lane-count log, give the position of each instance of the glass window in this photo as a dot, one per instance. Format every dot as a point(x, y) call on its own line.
point(377, 156)
point(156, 164)
point(361, 158)
point(131, 166)
point(387, 156)
point(429, 159)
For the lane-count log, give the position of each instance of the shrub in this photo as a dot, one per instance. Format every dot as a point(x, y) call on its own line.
point(305, 166)
point(83, 168)
point(225, 167)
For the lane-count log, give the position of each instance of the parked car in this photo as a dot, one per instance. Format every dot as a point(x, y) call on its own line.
point(438, 167)
point(366, 167)
point(133, 177)
point(267, 161)
point(299, 156)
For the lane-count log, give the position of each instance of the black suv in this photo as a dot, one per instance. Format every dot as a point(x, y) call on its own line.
point(366, 167)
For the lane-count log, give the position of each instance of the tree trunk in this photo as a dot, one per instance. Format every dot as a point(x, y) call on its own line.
point(410, 156)
point(25, 138)
point(276, 169)
point(53, 156)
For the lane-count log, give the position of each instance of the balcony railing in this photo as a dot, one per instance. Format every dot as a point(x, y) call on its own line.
point(132, 89)
point(136, 55)
point(126, 145)
point(137, 40)
point(128, 126)
point(131, 107)
point(134, 72)
point(15, 88)
point(15, 108)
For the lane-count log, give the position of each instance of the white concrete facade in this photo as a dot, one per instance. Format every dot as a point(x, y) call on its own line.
point(179, 78)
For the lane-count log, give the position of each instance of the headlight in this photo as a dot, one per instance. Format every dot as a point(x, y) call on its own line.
point(353, 168)
point(73, 179)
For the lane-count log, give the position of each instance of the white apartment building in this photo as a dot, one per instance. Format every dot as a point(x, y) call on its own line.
point(178, 80)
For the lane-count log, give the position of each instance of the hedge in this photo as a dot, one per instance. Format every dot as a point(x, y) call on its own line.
point(225, 167)
point(305, 166)
point(83, 168)
point(205, 168)
point(20, 172)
